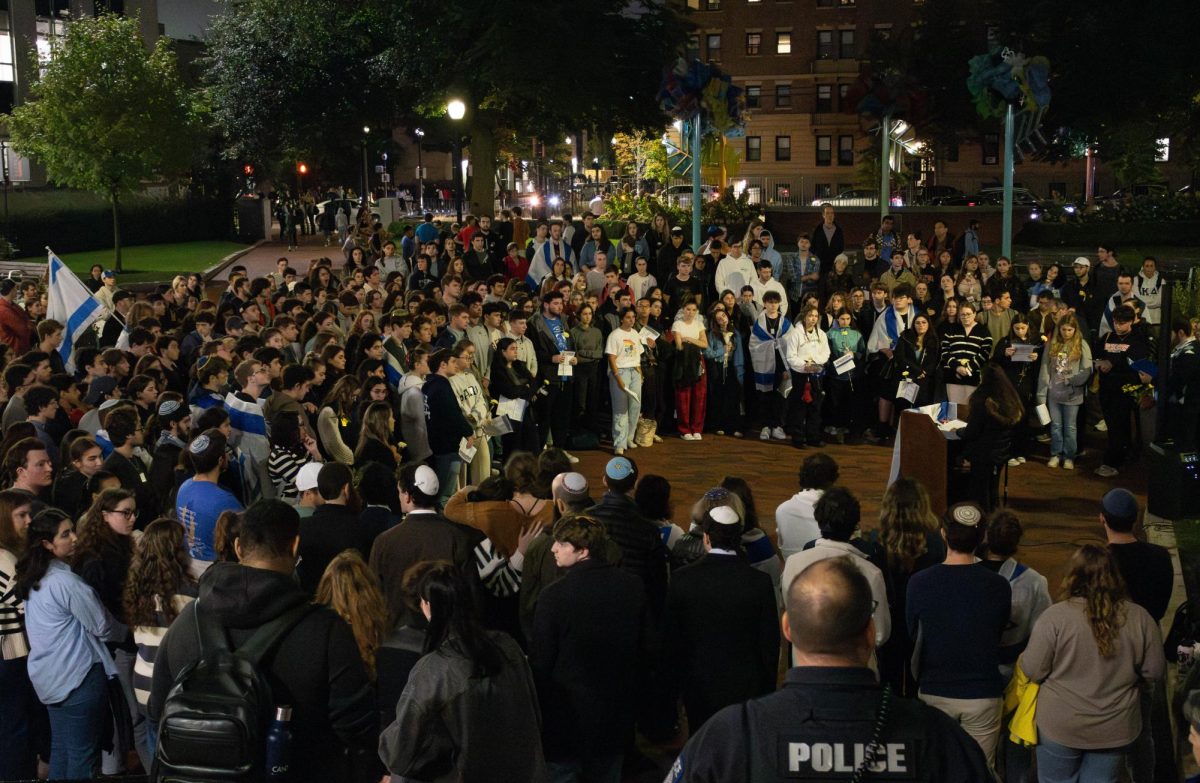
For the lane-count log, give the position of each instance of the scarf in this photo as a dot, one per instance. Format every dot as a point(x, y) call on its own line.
point(764, 354)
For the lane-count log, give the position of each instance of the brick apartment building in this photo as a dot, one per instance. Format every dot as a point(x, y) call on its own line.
point(798, 59)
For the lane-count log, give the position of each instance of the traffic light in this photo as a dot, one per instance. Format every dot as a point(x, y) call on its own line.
point(302, 168)
point(247, 169)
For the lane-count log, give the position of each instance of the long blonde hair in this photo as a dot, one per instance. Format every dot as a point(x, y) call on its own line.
point(1073, 346)
point(906, 519)
point(352, 590)
point(1094, 577)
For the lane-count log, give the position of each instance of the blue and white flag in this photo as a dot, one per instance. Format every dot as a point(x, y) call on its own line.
point(391, 366)
point(249, 440)
point(71, 304)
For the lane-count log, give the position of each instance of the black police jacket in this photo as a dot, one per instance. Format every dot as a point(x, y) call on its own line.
point(818, 726)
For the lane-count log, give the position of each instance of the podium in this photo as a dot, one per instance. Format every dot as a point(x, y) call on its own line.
point(922, 453)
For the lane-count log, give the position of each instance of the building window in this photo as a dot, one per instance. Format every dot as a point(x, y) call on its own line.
point(51, 7)
point(825, 50)
point(712, 5)
point(952, 152)
point(783, 43)
point(713, 41)
point(783, 96)
point(49, 29)
point(783, 148)
point(753, 96)
point(8, 75)
point(693, 47)
point(846, 49)
point(824, 150)
point(845, 150)
point(753, 42)
point(754, 148)
point(1162, 150)
point(824, 103)
point(884, 31)
point(823, 190)
point(991, 149)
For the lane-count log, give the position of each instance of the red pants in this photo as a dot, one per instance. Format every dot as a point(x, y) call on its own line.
point(690, 404)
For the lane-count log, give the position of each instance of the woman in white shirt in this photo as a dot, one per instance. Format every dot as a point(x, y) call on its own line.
point(807, 352)
point(624, 351)
point(641, 280)
point(691, 387)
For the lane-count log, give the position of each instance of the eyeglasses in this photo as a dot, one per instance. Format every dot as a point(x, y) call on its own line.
point(128, 513)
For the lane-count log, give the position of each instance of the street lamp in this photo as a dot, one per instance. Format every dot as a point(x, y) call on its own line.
point(457, 110)
point(420, 134)
point(365, 181)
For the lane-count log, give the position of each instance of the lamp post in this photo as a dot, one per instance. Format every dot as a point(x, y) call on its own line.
point(420, 134)
point(457, 110)
point(365, 182)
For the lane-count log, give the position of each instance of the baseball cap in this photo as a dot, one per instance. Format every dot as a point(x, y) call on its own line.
point(618, 468)
point(677, 230)
point(99, 388)
point(1119, 503)
point(1082, 261)
point(714, 231)
point(306, 477)
point(108, 273)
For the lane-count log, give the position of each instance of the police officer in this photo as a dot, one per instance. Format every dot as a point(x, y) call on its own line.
point(831, 720)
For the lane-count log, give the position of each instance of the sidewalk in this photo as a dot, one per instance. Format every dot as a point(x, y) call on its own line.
point(260, 261)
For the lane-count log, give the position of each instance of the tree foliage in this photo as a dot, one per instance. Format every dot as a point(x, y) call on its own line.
point(1121, 77)
point(107, 113)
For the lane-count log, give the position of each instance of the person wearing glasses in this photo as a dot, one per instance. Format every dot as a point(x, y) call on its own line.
point(103, 553)
point(201, 499)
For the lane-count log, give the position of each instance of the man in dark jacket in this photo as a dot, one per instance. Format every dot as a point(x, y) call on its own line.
point(424, 534)
point(722, 627)
point(332, 528)
point(1115, 354)
point(828, 239)
point(643, 553)
point(316, 667)
point(588, 646)
point(553, 345)
point(445, 423)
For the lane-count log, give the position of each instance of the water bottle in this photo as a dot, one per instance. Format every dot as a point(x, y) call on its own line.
point(279, 745)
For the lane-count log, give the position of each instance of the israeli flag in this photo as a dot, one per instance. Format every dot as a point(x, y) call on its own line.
point(391, 367)
point(72, 304)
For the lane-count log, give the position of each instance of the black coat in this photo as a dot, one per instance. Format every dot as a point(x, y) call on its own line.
point(326, 533)
point(722, 634)
point(588, 646)
point(315, 668)
point(827, 249)
point(643, 552)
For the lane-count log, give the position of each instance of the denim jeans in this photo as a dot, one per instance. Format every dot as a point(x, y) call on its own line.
point(19, 707)
point(1060, 764)
point(1063, 438)
point(77, 727)
point(625, 409)
point(446, 466)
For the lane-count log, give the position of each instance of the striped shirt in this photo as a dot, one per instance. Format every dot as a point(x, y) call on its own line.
point(500, 575)
point(282, 467)
point(972, 351)
point(13, 643)
point(148, 638)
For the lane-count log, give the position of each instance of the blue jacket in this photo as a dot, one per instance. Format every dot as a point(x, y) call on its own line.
point(716, 352)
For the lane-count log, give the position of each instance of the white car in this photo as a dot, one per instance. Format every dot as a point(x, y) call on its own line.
point(859, 197)
point(681, 195)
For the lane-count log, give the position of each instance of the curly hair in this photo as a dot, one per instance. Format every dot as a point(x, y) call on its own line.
point(93, 533)
point(905, 519)
point(158, 570)
point(1094, 577)
point(352, 590)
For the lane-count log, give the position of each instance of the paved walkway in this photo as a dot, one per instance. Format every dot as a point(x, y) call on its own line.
point(261, 260)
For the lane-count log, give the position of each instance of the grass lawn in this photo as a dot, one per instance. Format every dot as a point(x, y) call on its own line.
point(151, 263)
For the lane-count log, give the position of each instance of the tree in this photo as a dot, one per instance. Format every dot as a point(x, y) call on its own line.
point(581, 64)
point(642, 156)
point(107, 114)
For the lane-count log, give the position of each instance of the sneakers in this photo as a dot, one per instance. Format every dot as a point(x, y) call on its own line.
point(1102, 426)
point(1068, 464)
point(778, 434)
point(1013, 462)
point(737, 434)
point(697, 436)
point(1054, 462)
point(1043, 438)
point(632, 445)
point(618, 452)
point(1106, 471)
point(690, 436)
point(720, 432)
point(1021, 460)
point(765, 434)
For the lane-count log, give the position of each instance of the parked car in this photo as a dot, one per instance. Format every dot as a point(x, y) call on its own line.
point(1129, 192)
point(1022, 197)
point(681, 195)
point(858, 197)
point(929, 194)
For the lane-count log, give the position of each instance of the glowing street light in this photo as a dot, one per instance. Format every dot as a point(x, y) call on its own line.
point(456, 109)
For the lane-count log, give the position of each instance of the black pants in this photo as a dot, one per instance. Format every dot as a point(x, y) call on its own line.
point(1118, 410)
point(804, 417)
point(553, 411)
point(724, 400)
point(588, 376)
point(843, 408)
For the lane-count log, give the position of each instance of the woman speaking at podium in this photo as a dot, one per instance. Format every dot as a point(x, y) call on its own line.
point(995, 411)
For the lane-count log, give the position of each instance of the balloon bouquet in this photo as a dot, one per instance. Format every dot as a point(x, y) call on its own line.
point(1004, 77)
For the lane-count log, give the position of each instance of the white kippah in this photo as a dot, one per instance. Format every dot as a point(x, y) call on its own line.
point(967, 514)
point(426, 480)
point(724, 515)
point(199, 445)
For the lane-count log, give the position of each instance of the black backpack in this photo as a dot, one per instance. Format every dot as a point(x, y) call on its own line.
point(215, 719)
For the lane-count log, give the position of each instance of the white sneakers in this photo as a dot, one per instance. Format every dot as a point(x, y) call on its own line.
point(1068, 464)
point(765, 434)
point(691, 436)
point(1054, 462)
point(778, 434)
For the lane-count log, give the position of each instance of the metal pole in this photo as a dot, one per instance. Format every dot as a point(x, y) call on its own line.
point(420, 178)
point(1009, 164)
point(458, 184)
point(885, 168)
point(364, 178)
point(696, 183)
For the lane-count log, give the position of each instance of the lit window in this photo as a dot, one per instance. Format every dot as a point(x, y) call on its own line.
point(824, 99)
point(824, 150)
point(783, 43)
point(1162, 150)
point(753, 42)
point(754, 148)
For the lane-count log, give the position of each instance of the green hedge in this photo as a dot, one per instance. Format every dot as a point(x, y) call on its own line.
point(1049, 234)
point(72, 222)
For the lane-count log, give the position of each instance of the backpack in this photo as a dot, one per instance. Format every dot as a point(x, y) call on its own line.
point(216, 716)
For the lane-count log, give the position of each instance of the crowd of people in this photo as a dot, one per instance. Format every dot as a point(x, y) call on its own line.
point(389, 435)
